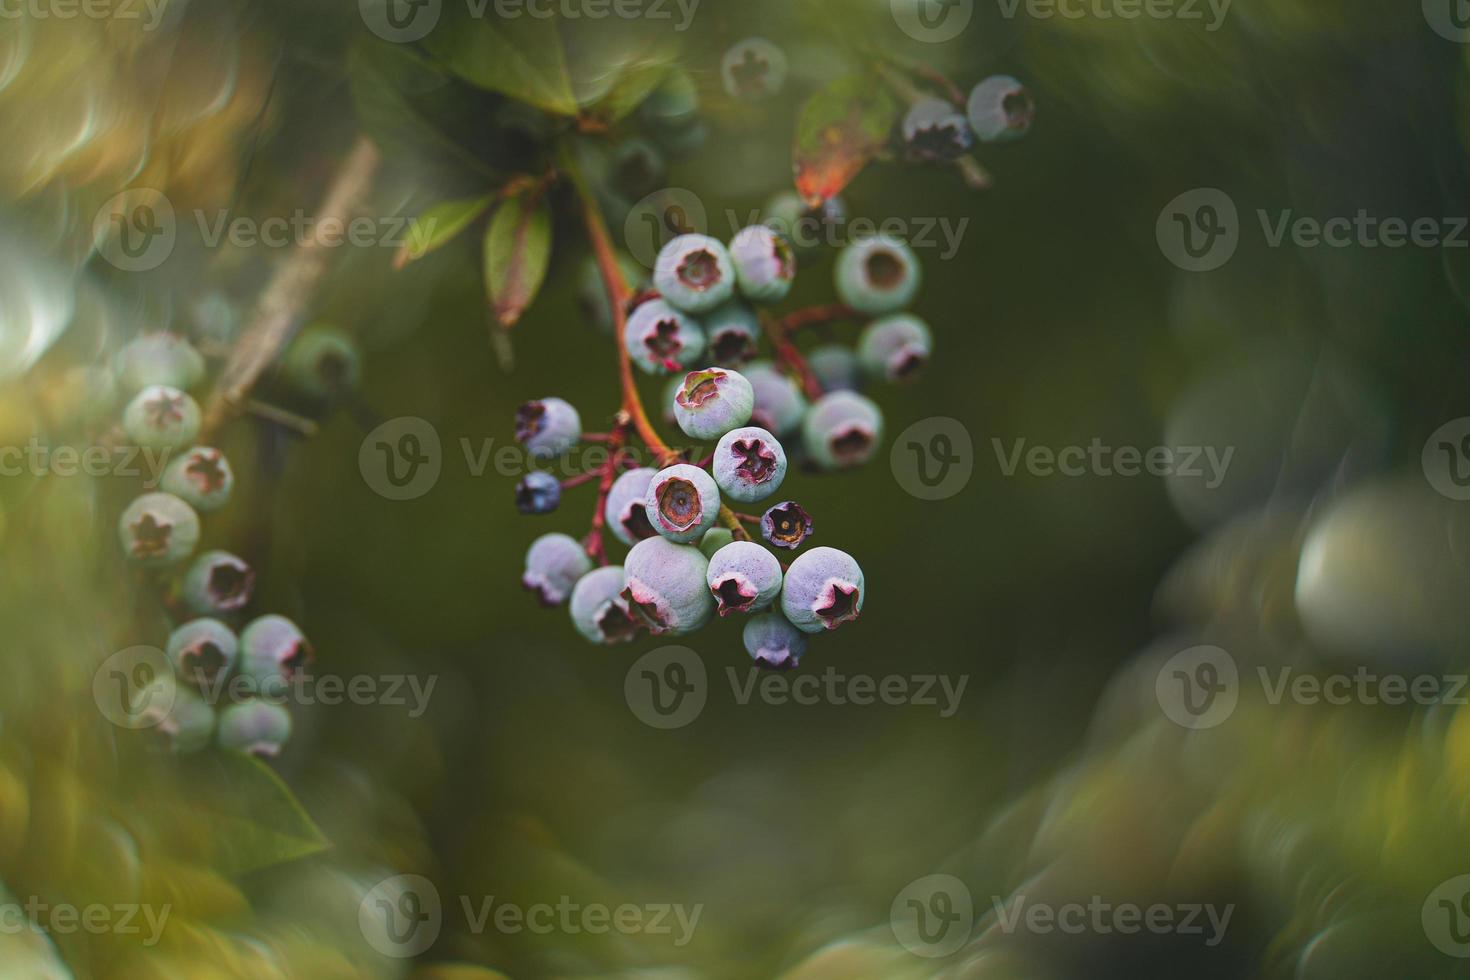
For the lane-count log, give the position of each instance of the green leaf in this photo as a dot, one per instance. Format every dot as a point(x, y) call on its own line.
point(633, 85)
point(841, 129)
point(438, 225)
point(517, 252)
point(521, 58)
point(255, 820)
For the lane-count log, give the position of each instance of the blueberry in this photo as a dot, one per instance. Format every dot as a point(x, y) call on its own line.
point(626, 513)
point(734, 333)
point(218, 582)
point(753, 69)
point(202, 477)
point(158, 359)
point(779, 403)
point(743, 577)
point(877, 275)
point(177, 712)
point(805, 228)
point(835, 366)
point(774, 643)
point(843, 429)
point(714, 539)
point(322, 363)
point(712, 402)
point(765, 264)
point(599, 612)
point(538, 493)
point(674, 104)
point(273, 652)
point(554, 562)
point(203, 651)
point(548, 427)
point(636, 169)
point(749, 464)
point(682, 502)
point(786, 525)
point(161, 417)
point(158, 529)
point(694, 273)
point(255, 726)
point(665, 586)
point(935, 130)
point(683, 141)
point(1000, 109)
point(896, 347)
point(661, 339)
point(823, 590)
point(592, 292)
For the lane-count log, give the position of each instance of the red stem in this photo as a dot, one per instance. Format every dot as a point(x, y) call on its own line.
point(813, 316)
point(788, 355)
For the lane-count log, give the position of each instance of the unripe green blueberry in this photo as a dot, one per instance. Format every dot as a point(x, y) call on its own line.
point(749, 464)
point(933, 129)
point(773, 643)
point(786, 525)
point(592, 291)
point(161, 418)
point(683, 141)
point(554, 563)
point(1000, 109)
point(626, 511)
point(805, 228)
point(158, 529)
point(661, 339)
point(203, 651)
point(256, 727)
point(753, 69)
point(712, 402)
point(322, 362)
point(218, 582)
point(896, 347)
point(636, 169)
point(599, 611)
point(158, 359)
point(548, 427)
point(682, 502)
point(733, 333)
point(202, 477)
point(835, 366)
point(714, 539)
point(273, 653)
point(743, 577)
point(665, 586)
point(779, 404)
point(877, 275)
point(842, 429)
point(675, 103)
point(177, 712)
point(823, 590)
point(694, 273)
point(765, 263)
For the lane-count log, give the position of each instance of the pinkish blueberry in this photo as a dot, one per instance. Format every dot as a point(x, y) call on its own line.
point(713, 401)
point(256, 727)
point(749, 464)
point(835, 366)
point(598, 610)
point(842, 429)
point(203, 651)
point(786, 525)
point(773, 643)
point(733, 332)
point(896, 347)
point(765, 263)
point(202, 477)
point(743, 577)
point(158, 359)
point(661, 339)
point(665, 586)
point(554, 562)
point(273, 653)
point(158, 529)
point(877, 275)
point(682, 502)
point(160, 417)
point(779, 403)
point(175, 711)
point(626, 512)
point(548, 427)
point(823, 590)
point(1000, 109)
point(217, 582)
point(694, 273)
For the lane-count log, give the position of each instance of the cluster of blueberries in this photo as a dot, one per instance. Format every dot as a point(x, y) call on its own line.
point(683, 566)
point(161, 530)
point(998, 110)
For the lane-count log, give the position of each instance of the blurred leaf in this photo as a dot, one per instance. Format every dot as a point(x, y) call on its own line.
point(438, 225)
point(841, 129)
point(517, 252)
point(521, 58)
point(632, 86)
point(254, 817)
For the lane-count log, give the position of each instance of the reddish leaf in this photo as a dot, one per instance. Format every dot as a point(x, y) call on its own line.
point(841, 129)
